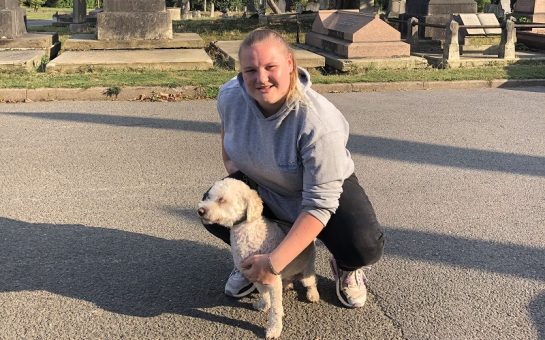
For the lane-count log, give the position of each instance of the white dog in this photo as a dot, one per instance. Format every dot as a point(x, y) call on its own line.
point(233, 204)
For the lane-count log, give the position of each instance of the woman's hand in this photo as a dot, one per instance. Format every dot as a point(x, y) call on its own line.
point(256, 269)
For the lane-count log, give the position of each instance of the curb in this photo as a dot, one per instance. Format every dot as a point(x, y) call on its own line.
point(145, 93)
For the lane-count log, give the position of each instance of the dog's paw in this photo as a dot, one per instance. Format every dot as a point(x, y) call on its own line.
point(312, 294)
point(273, 332)
point(288, 286)
point(261, 305)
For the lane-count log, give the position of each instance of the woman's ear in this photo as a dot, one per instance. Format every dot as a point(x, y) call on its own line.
point(254, 206)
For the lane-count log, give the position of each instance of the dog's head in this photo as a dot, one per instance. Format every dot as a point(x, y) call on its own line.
point(230, 202)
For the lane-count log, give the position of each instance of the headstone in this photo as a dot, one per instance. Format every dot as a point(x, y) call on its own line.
point(438, 12)
point(79, 16)
point(479, 40)
point(12, 19)
point(533, 10)
point(350, 34)
point(212, 14)
point(135, 19)
point(175, 13)
point(396, 8)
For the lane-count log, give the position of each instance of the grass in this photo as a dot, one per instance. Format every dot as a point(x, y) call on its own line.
point(44, 13)
point(209, 81)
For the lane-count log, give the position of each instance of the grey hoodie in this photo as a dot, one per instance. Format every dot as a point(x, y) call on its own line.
point(297, 156)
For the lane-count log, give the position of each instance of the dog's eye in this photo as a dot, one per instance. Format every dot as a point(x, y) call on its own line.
point(221, 200)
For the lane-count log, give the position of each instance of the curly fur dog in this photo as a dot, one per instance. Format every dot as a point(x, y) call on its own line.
point(233, 204)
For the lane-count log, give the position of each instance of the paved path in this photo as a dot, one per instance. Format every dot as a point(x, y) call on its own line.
point(99, 238)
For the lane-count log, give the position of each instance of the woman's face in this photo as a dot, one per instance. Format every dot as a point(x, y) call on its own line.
point(266, 67)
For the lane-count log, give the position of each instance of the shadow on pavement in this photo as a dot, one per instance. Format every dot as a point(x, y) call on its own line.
point(444, 155)
point(124, 121)
point(386, 148)
point(119, 271)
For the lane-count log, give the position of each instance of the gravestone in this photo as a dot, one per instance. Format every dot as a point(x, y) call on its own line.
point(134, 19)
point(79, 17)
point(482, 40)
point(12, 19)
point(350, 34)
point(438, 12)
point(533, 10)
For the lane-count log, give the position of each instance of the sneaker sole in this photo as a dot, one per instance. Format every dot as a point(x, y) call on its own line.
point(244, 292)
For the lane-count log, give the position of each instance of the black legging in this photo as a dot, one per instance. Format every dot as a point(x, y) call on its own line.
point(352, 234)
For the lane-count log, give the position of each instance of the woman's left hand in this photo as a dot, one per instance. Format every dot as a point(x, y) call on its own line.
point(256, 269)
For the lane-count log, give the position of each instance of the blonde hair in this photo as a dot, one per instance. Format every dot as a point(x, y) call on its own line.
point(260, 34)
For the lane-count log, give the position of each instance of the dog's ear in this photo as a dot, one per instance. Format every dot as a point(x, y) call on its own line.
point(254, 206)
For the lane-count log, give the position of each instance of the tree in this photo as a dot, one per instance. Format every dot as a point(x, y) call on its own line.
point(35, 4)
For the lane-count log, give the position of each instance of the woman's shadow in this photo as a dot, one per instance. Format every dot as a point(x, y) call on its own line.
point(119, 271)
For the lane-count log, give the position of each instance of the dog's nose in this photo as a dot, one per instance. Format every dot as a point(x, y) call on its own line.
point(200, 211)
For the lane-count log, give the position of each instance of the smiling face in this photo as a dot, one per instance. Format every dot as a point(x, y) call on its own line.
point(266, 67)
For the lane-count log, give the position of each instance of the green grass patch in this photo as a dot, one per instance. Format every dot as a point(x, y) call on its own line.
point(45, 13)
point(209, 81)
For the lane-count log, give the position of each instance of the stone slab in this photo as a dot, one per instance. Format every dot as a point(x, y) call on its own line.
point(344, 49)
point(16, 60)
point(349, 64)
point(489, 19)
point(470, 19)
point(83, 42)
point(31, 40)
point(304, 57)
point(531, 39)
point(164, 59)
point(480, 60)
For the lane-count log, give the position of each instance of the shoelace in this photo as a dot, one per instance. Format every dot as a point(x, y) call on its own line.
point(354, 278)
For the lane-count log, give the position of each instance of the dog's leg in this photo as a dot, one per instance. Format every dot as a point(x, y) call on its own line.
point(274, 324)
point(264, 302)
point(309, 282)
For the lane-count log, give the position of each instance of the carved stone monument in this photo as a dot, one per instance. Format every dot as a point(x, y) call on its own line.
point(12, 19)
point(533, 10)
point(134, 19)
point(350, 34)
point(438, 12)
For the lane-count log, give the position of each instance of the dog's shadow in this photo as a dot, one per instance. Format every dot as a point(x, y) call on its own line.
point(119, 271)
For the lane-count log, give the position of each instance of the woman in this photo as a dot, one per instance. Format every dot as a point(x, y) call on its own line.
point(289, 143)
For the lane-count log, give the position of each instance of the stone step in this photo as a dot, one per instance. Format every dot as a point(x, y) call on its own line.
point(160, 59)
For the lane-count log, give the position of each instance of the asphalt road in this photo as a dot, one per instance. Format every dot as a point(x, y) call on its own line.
point(99, 236)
